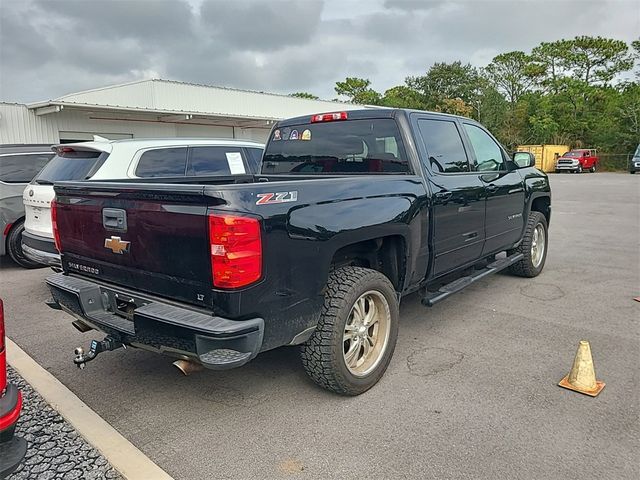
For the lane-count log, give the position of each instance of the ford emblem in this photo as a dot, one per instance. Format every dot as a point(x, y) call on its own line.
point(31, 193)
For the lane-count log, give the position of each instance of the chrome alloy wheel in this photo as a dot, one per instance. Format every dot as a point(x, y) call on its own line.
point(366, 333)
point(538, 244)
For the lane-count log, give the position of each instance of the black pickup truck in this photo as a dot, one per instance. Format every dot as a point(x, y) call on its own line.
point(351, 211)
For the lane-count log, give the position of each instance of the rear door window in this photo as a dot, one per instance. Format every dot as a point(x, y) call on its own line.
point(163, 162)
point(444, 146)
point(21, 168)
point(342, 147)
point(70, 164)
point(215, 161)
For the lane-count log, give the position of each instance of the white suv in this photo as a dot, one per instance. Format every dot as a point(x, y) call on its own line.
point(104, 159)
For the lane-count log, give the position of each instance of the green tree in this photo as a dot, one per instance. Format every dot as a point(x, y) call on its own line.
point(513, 129)
point(454, 106)
point(549, 60)
point(447, 81)
point(308, 96)
point(597, 60)
point(403, 96)
point(543, 126)
point(628, 113)
point(636, 47)
point(491, 107)
point(358, 90)
point(512, 73)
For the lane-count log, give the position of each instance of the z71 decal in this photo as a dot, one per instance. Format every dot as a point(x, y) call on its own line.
point(280, 197)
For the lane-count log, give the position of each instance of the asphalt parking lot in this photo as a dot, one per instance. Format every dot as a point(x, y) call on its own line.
point(470, 393)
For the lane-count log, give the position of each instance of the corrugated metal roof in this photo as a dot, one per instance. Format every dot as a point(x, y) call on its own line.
point(177, 97)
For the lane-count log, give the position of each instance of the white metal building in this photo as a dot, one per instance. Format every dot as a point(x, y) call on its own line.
point(151, 109)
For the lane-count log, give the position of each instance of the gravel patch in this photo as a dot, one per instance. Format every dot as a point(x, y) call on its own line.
point(56, 449)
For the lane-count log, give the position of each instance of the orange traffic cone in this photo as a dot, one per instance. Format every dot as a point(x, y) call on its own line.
point(582, 377)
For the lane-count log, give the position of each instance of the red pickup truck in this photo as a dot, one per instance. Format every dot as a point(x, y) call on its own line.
point(578, 160)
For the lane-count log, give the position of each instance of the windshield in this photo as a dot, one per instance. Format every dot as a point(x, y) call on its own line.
point(71, 165)
point(351, 146)
point(572, 154)
point(637, 154)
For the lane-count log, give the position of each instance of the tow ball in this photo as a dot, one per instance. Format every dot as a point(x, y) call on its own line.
point(97, 346)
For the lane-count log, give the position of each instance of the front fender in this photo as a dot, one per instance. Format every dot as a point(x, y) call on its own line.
point(536, 186)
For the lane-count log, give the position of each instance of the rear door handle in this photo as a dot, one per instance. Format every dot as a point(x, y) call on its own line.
point(446, 195)
point(491, 187)
point(469, 236)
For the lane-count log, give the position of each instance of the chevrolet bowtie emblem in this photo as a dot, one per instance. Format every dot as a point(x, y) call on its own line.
point(117, 245)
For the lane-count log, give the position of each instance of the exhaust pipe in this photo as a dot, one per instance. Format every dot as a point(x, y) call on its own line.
point(187, 367)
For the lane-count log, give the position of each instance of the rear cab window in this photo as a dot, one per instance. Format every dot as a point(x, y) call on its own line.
point(359, 146)
point(22, 167)
point(71, 164)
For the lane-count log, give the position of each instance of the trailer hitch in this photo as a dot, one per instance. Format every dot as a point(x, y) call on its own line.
point(105, 345)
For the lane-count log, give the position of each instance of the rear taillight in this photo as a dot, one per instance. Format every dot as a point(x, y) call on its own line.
point(329, 117)
point(54, 225)
point(236, 250)
point(1, 326)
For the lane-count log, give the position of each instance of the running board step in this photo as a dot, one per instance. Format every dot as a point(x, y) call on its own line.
point(224, 358)
point(431, 298)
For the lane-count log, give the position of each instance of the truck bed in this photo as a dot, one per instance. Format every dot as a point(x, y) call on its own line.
point(168, 252)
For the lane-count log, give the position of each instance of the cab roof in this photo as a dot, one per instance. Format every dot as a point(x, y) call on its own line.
point(368, 113)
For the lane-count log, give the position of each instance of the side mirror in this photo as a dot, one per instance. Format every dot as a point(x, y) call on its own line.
point(524, 159)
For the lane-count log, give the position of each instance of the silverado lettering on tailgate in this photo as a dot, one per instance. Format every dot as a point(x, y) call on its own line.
point(83, 268)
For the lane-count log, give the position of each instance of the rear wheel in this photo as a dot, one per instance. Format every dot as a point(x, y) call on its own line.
point(356, 334)
point(533, 247)
point(14, 247)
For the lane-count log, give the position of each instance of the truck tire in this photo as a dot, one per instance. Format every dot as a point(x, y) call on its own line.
point(579, 169)
point(534, 247)
point(356, 334)
point(593, 168)
point(14, 247)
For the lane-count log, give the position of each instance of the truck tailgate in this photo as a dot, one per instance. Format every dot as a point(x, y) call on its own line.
point(138, 238)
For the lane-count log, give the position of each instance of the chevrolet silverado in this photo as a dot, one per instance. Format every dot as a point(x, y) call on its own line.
point(351, 212)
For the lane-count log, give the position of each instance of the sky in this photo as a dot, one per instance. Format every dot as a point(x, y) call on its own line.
point(49, 48)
